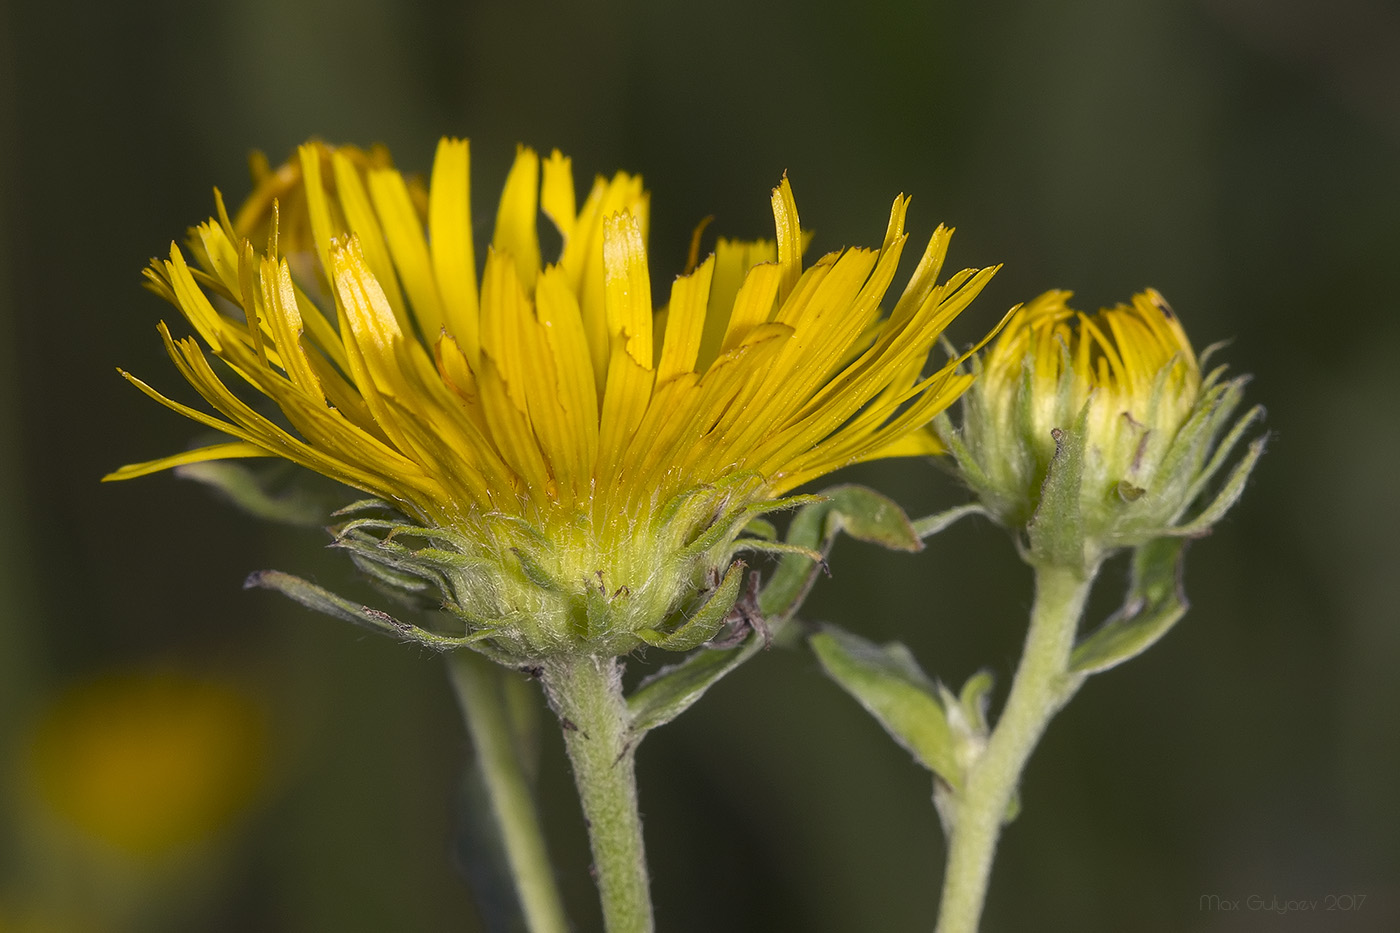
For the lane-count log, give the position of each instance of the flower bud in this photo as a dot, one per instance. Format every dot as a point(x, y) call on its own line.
point(1101, 426)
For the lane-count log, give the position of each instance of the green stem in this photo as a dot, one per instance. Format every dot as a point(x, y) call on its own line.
point(586, 693)
point(479, 683)
point(1042, 686)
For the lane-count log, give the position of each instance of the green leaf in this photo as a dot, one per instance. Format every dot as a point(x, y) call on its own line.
point(973, 701)
point(1154, 603)
point(867, 516)
point(889, 683)
point(860, 512)
point(672, 690)
point(255, 491)
point(761, 528)
point(930, 525)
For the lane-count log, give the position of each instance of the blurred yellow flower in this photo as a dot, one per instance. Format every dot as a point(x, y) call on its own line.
point(149, 763)
point(549, 411)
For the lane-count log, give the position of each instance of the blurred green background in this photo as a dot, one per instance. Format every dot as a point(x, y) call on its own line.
point(1239, 155)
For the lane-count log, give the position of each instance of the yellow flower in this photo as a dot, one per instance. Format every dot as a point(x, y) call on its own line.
point(1125, 386)
point(148, 764)
point(564, 439)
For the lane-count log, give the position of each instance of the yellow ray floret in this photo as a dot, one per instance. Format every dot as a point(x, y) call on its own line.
point(351, 297)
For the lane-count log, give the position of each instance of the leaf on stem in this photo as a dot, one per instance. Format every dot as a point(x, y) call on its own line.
point(255, 491)
point(1153, 604)
point(860, 512)
point(672, 690)
point(888, 682)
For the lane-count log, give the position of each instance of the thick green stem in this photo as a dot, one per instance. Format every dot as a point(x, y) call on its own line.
point(587, 696)
point(478, 683)
point(1042, 686)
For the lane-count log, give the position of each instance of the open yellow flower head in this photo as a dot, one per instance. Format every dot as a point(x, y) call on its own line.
point(579, 463)
point(1124, 388)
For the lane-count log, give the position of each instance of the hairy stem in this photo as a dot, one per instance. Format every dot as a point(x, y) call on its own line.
point(586, 693)
point(1041, 687)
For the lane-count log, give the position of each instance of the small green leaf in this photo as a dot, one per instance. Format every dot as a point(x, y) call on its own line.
point(534, 572)
point(670, 691)
point(364, 505)
point(860, 512)
point(889, 683)
point(759, 545)
point(255, 491)
point(930, 525)
point(973, 701)
point(867, 516)
point(1154, 603)
point(1226, 498)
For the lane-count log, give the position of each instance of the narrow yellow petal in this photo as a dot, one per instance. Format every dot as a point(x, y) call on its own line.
point(502, 376)
point(582, 258)
point(223, 255)
point(318, 205)
point(279, 298)
point(789, 231)
point(230, 451)
point(558, 313)
point(454, 256)
point(733, 259)
point(685, 322)
point(628, 287)
point(193, 303)
point(753, 305)
point(360, 220)
point(627, 298)
point(557, 194)
point(255, 320)
point(404, 232)
point(516, 217)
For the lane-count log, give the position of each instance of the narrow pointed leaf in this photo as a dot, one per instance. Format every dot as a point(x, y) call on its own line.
point(1154, 603)
point(252, 490)
point(672, 690)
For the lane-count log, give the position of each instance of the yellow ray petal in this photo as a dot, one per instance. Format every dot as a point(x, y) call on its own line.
point(279, 298)
point(789, 245)
point(628, 305)
point(360, 219)
point(685, 322)
point(733, 259)
point(558, 313)
point(454, 256)
point(515, 218)
point(404, 232)
point(230, 451)
point(557, 194)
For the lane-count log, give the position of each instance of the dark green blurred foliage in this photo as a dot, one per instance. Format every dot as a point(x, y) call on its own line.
point(1238, 155)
